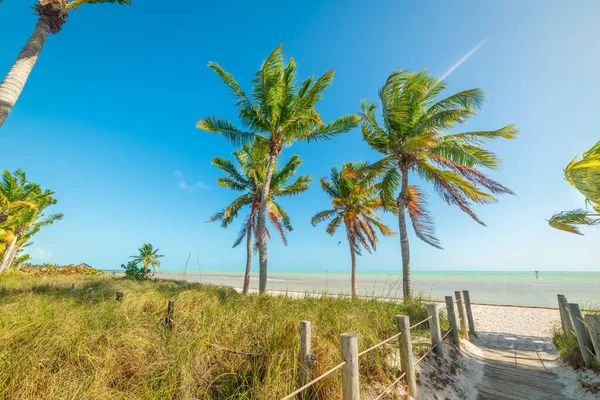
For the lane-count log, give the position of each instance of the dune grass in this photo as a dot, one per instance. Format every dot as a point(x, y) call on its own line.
point(568, 345)
point(59, 344)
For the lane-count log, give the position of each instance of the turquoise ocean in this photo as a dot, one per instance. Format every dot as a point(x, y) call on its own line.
point(487, 287)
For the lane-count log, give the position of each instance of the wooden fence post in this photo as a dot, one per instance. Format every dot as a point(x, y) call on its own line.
point(467, 298)
point(462, 314)
point(72, 287)
point(119, 296)
point(585, 343)
point(434, 328)
point(306, 357)
point(350, 377)
point(169, 317)
point(565, 319)
point(452, 320)
point(406, 354)
point(593, 322)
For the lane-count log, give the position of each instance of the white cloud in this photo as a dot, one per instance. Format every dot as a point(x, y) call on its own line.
point(40, 254)
point(183, 185)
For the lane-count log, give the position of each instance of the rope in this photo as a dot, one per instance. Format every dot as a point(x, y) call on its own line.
point(582, 321)
point(447, 333)
point(379, 344)
point(387, 389)
point(425, 355)
point(422, 322)
point(442, 309)
point(589, 351)
point(289, 396)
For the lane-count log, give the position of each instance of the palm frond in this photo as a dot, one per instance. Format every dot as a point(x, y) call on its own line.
point(226, 128)
point(420, 217)
point(568, 221)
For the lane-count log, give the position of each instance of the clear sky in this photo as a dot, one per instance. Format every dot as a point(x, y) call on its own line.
point(107, 120)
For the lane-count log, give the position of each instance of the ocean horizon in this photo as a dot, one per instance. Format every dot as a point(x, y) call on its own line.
point(520, 288)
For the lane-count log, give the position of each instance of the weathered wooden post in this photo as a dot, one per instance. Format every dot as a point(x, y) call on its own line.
point(462, 314)
point(452, 320)
point(467, 298)
point(434, 328)
point(72, 287)
point(350, 377)
point(169, 317)
point(119, 296)
point(565, 318)
point(406, 354)
point(585, 343)
point(306, 357)
point(593, 323)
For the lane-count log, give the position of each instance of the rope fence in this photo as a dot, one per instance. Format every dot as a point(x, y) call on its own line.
point(350, 354)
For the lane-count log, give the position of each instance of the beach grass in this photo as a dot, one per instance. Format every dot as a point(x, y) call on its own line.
point(56, 343)
point(567, 345)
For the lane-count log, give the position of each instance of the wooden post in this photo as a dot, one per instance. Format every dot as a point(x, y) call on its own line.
point(72, 287)
point(462, 314)
point(306, 357)
point(565, 318)
point(434, 328)
point(469, 311)
point(585, 343)
point(350, 378)
point(406, 354)
point(169, 317)
point(119, 296)
point(452, 320)
point(593, 323)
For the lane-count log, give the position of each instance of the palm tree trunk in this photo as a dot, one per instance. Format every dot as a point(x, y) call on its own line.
point(8, 254)
point(12, 85)
point(248, 259)
point(262, 225)
point(353, 258)
point(404, 247)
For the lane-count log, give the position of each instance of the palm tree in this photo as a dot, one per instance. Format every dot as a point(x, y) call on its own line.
point(249, 179)
point(26, 223)
point(148, 256)
point(16, 193)
point(355, 200)
point(52, 15)
point(583, 173)
point(280, 113)
point(414, 137)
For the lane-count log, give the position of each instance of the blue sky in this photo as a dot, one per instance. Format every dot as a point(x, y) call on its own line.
point(107, 121)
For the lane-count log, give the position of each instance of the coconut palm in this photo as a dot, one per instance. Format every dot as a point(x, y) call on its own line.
point(583, 173)
point(148, 256)
point(413, 136)
point(16, 193)
point(280, 113)
point(52, 15)
point(355, 200)
point(249, 179)
point(25, 223)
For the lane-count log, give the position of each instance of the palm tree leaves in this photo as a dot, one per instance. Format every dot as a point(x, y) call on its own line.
point(583, 173)
point(225, 128)
point(354, 200)
point(148, 256)
point(420, 217)
point(414, 136)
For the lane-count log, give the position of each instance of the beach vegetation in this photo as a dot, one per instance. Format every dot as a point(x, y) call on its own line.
point(249, 179)
point(22, 214)
point(279, 112)
point(52, 15)
point(62, 344)
point(583, 173)
point(147, 256)
point(413, 135)
point(355, 201)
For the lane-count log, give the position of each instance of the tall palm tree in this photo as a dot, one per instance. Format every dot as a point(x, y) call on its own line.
point(148, 256)
point(52, 15)
point(280, 113)
point(27, 222)
point(414, 137)
point(583, 173)
point(16, 193)
point(250, 179)
point(355, 200)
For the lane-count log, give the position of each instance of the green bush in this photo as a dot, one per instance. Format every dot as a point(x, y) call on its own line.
point(135, 272)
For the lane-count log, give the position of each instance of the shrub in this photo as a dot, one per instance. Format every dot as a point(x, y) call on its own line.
point(135, 272)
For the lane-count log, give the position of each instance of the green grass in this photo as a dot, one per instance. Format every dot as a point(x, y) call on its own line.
point(568, 346)
point(58, 344)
